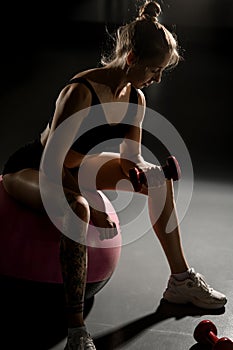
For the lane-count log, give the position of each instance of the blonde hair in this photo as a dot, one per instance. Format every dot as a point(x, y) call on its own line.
point(145, 37)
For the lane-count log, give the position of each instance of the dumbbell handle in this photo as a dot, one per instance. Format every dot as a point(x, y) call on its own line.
point(171, 171)
point(219, 343)
point(212, 338)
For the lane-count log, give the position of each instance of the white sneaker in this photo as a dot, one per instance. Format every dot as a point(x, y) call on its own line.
point(194, 290)
point(80, 340)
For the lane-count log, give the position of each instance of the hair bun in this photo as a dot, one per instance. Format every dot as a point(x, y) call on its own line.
point(150, 10)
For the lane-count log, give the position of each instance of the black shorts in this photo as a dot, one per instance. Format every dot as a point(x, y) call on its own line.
point(28, 156)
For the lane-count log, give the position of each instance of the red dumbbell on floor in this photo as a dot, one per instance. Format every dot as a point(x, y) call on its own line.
point(206, 333)
point(171, 171)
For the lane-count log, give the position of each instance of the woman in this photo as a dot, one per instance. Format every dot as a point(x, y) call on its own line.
point(144, 49)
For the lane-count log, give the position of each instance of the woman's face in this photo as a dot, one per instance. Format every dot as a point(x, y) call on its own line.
point(144, 73)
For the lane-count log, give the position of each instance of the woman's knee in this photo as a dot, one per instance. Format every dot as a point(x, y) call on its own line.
point(82, 207)
point(75, 226)
point(79, 205)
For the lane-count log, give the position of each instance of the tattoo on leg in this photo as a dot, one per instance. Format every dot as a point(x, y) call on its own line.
point(73, 257)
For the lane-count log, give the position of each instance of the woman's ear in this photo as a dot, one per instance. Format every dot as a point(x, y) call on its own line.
point(130, 59)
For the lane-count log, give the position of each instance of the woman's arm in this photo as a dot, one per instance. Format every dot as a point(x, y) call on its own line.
point(130, 149)
point(73, 102)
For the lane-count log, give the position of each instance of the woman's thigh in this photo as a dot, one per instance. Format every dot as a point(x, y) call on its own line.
point(103, 172)
point(23, 185)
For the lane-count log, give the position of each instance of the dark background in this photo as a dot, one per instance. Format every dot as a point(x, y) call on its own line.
point(44, 44)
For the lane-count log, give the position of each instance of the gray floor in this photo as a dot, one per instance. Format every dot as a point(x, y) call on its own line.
point(128, 312)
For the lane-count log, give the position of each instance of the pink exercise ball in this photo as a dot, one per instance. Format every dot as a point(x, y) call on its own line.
point(29, 248)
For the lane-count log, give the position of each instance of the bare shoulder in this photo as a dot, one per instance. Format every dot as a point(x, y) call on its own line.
point(141, 107)
point(73, 98)
point(141, 98)
point(76, 95)
point(78, 91)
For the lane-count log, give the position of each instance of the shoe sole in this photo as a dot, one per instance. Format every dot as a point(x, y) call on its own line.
point(195, 302)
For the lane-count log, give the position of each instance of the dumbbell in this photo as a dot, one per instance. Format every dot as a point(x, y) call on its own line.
point(206, 333)
point(171, 170)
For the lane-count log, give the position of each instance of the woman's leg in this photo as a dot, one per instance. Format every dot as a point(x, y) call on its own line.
point(100, 172)
point(73, 257)
point(160, 216)
point(107, 174)
point(184, 285)
point(24, 187)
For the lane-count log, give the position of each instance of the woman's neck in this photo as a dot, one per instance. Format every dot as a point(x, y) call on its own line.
point(116, 79)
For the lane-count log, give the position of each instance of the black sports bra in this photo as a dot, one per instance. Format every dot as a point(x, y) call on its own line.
point(95, 134)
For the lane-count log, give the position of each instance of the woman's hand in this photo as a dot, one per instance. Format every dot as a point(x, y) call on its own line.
point(152, 175)
point(103, 223)
point(146, 175)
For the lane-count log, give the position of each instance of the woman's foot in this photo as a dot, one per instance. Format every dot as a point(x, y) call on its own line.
point(79, 339)
point(195, 290)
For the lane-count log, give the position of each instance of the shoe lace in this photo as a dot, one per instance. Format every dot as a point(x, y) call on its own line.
point(200, 282)
point(87, 343)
